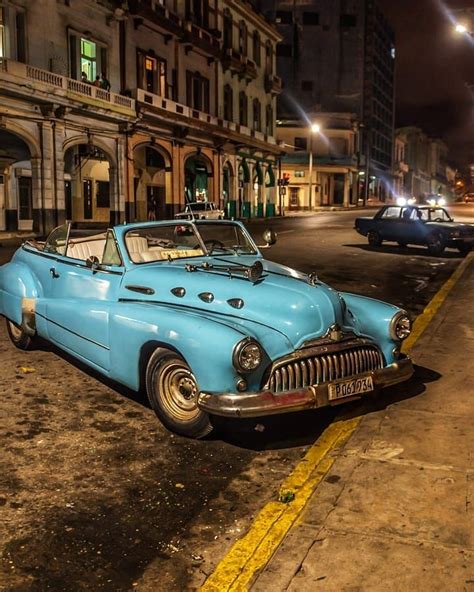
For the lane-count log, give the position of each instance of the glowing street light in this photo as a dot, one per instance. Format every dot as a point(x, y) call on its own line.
point(314, 129)
point(460, 28)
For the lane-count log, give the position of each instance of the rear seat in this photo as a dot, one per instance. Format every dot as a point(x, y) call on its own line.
point(84, 250)
point(137, 246)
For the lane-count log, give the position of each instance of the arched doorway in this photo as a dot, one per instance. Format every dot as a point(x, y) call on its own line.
point(89, 187)
point(198, 172)
point(152, 169)
point(19, 185)
point(228, 191)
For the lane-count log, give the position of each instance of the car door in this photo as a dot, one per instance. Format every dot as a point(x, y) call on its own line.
point(80, 303)
point(388, 223)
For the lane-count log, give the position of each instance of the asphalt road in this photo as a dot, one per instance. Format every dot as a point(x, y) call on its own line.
point(96, 495)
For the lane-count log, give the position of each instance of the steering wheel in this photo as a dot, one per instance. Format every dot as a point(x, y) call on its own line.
point(211, 244)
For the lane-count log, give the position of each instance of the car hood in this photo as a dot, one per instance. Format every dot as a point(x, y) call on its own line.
point(281, 300)
point(464, 229)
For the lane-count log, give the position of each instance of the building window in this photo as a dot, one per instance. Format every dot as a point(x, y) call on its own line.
point(284, 17)
point(348, 20)
point(256, 48)
point(311, 18)
point(299, 174)
point(307, 85)
point(197, 11)
point(20, 25)
point(151, 73)
point(284, 50)
point(102, 194)
point(197, 91)
point(228, 103)
point(243, 38)
point(301, 143)
point(243, 108)
point(269, 57)
point(88, 58)
point(269, 120)
point(257, 115)
point(228, 30)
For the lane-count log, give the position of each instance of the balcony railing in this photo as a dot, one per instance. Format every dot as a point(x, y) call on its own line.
point(63, 86)
point(173, 108)
point(201, 39)
point(157, 14)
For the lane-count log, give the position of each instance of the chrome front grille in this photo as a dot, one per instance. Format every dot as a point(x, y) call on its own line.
point(313, 369)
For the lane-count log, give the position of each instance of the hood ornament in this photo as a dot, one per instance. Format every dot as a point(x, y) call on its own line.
point(313, 279)
point(335, 333)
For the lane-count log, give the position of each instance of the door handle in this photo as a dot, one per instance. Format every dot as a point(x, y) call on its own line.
point(54, 273)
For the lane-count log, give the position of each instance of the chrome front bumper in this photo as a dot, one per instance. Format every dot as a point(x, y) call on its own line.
point(311, 397)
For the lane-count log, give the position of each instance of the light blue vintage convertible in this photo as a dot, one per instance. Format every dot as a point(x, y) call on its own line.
point(193, 313)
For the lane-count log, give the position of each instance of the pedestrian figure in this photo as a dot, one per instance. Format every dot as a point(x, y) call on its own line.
point(84, 78)
point(104, 83)
point(97, 82)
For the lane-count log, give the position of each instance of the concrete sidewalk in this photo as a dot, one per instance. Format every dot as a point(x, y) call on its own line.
point(395, 511)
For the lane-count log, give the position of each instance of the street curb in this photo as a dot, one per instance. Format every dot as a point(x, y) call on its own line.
point(250, 554)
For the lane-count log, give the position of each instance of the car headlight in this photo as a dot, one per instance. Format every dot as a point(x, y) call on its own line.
point(441, 201)
point(247, 355)
point(400, 326)
point(401, 201)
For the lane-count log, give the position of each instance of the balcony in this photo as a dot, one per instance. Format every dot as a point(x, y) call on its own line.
point(273, 84)
point(157, 14)
point(401, 167)
point(232, 60)
point(22, 79)
point(178, 112)
point(250, 71)
point(196, 37)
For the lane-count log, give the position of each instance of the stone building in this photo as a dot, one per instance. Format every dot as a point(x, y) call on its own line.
point(335, 179)
point(114, 110)
point(338, 56)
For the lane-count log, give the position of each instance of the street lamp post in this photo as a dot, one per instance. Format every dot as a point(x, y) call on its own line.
point(314, 129)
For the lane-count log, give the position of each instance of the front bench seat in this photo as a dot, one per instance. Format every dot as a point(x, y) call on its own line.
point(85, 249)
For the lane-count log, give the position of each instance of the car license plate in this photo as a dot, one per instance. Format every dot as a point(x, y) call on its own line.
point(350, 388)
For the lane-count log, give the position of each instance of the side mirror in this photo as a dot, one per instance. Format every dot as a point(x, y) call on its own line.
point(93, 262)
point(270, 237)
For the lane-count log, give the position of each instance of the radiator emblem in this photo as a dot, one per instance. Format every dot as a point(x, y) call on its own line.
point(335, 333)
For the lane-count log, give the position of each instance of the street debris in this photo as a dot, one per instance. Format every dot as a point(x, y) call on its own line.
point(286, 497)
point(27, 370)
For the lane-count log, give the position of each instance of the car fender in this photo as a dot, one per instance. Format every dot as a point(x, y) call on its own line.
point(372, 318)
point(207, 344)
point(19, 290)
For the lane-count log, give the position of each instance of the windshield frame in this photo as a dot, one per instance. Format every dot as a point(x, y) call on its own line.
point(195, 226)
point(432, 209)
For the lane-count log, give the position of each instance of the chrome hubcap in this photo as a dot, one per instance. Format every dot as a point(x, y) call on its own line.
point(178, 390)
point(16, 331)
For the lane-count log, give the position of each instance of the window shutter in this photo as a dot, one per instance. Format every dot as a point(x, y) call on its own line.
point(103, 61)
point(73, 56)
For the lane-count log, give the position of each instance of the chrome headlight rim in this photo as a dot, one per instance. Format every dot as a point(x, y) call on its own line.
point(394, 324)
point(240, 348)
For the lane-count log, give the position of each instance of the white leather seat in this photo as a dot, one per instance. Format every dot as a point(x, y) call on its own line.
point(136, 246)
point(85, 249)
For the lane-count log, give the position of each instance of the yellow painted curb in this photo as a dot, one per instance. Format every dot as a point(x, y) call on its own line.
point(253, 551)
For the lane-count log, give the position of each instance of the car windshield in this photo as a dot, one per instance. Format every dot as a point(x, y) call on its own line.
point(165, 242)
point(225, 237)
point(434, 215)
point(197, 206)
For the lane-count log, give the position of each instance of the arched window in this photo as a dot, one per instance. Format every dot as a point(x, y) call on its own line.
point(243, 108)
point(256, 48)
point(228, 30)
point(257, 115)
point(243, 34)
point(228, 103)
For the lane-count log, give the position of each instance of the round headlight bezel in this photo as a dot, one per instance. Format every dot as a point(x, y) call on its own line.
point(400, 326)
point(240, 351)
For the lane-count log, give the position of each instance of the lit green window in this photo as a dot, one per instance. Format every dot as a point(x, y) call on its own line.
point(89, 59)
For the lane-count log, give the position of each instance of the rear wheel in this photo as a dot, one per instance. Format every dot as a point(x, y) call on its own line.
point(18, 336)
point(436, 244)
point(374, 239)
point(173, 391)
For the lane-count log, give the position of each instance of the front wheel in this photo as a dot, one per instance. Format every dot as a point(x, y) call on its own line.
point(374, 239)
point(18, 336)
point(173, 391)
point(436, 244)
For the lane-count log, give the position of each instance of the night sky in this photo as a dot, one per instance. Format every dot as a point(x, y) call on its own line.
point(435, 65)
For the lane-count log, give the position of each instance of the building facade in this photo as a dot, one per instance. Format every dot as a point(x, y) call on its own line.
point(334, 178)
point(114, 111)
point(338, 56)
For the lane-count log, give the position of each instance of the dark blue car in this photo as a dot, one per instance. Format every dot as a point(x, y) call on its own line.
point(411, 225)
